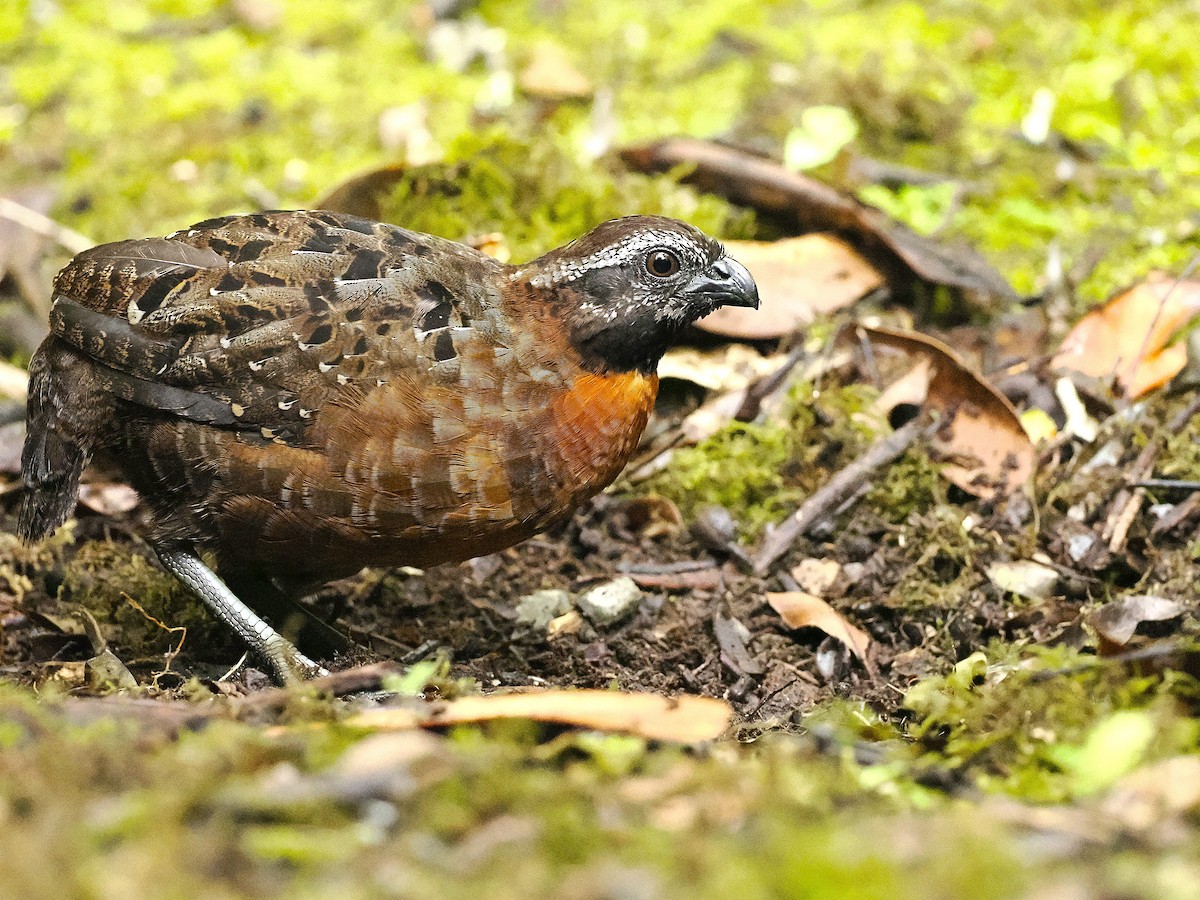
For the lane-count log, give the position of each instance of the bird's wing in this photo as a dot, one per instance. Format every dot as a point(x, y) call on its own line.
point(255, 322)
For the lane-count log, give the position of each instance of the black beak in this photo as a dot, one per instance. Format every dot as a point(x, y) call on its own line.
point(725, 283)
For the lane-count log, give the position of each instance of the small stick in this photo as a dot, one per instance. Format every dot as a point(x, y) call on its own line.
point(1128, 502)
point(361, 679)
point(44, 225)
point(883, 452)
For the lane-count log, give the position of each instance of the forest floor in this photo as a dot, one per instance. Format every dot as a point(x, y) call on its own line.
point(940, 687)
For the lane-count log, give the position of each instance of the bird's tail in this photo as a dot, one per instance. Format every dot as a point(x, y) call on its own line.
point(67, 410)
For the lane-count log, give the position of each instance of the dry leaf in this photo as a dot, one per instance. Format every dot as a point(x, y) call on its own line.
point(1025, 578)
point(817, 576)
point(23, 245)
point(798, 279)
point(652, 517)
point(14, 382)
point(12, 440)
point(652, 716)
point(552, 75)
point(1116, 622)
point(729, 367)
point(732, 637)
point(108, 498)
point(1127, 337)
point(981, 440)
point(911, 389)
point(799, 609)
point(361, 194)
point(768, 187)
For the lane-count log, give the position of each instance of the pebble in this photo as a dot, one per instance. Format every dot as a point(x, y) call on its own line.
point(610, 602)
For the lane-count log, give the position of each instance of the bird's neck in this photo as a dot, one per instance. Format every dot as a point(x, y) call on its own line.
point(598, 423)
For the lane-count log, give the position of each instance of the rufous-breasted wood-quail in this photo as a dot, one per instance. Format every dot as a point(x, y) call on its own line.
point(303, 394)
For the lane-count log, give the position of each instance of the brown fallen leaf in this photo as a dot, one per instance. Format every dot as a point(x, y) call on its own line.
point(732, 636)
point(24, 243)
point(12, 440)
point(1151, 795)
point(799, 609)
point(1116, 622)
point(1127, 338)
point(362, 194)
point(683, 718)
point(798, 279)
point(650, 517)
point(14, 382)
point(817, 576)
point(768, 187)
point(108, 498)
point(551, 75)
point(730, 367)
point(980, 438)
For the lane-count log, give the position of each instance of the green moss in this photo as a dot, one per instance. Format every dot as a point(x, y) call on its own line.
point(739, 468)
point(1180, 457)
point(112, 580)
point(1035, 726)
point(761, 471)
point(910, 487)
point(539, 195)
point(105, 99)
point(113, 97)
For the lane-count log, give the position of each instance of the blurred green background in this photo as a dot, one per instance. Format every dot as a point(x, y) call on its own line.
point(1051, 123)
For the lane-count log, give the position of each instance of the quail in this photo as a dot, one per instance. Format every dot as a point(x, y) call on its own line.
point(300, 394)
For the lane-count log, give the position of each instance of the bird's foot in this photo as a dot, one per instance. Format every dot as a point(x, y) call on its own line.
point(287, 664)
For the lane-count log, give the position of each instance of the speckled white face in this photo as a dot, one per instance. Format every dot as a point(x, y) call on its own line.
point(625, 289)
point(637, 246)
point(657, 264)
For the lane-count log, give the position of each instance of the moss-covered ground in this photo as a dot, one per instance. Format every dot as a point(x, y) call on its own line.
point(995, 749)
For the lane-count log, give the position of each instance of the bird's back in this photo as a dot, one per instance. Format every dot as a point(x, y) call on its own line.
point(316, 392)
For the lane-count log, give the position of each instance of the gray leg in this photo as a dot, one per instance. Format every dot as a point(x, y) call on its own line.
point(287, 663)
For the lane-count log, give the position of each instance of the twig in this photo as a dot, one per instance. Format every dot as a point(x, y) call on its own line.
point(1172, 484)
point(42, 224)
point(349, 681)
point(883, 452)
point(1128, 503)
point(758, 391)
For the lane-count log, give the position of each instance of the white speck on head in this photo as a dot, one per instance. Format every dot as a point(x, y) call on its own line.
point(632, 246)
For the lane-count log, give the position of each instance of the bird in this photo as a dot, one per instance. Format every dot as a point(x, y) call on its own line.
point(297, 395)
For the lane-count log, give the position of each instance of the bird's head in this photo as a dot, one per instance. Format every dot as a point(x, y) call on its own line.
point(629, 286)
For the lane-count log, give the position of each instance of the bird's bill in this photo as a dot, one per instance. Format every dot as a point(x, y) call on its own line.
point(725, 283)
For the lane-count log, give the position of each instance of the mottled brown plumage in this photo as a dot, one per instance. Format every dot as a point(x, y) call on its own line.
point(307, 393)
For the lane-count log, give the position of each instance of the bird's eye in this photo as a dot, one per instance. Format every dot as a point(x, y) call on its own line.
point(662, 263)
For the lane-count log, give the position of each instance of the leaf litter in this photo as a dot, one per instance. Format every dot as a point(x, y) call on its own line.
point(1067, 733)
